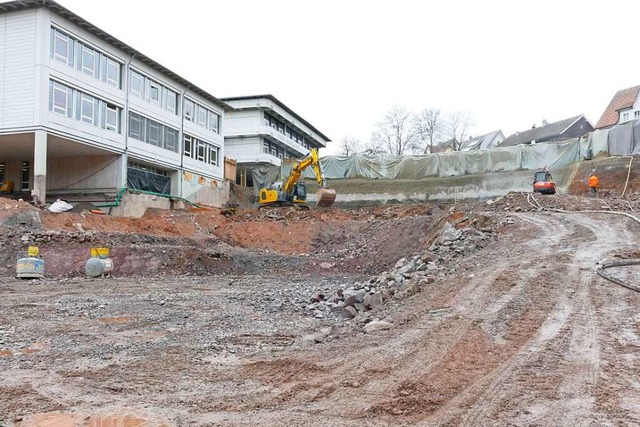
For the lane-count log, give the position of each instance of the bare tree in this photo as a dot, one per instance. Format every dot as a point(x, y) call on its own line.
point(395, 133)
point(429, 126)
point(457, 127)
point(350, 146)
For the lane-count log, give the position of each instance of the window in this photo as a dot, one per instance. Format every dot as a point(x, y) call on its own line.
point(201, 150)
point(636, 114)
point(171, 139)
point(274, 152)
point(188, 110)
point(202, 115)
point(188, 146)
point(61, 47)
point(154, 93)
point(112, 118)
point(78, 105)
point(136, 126)
point(112, 73)
point(2, 167)
point(625, 117)
point(89, 61)
point(87, 106)
point(265, 148)
point(152, 132)
point(172, 98)
point(84, 58)
point(137, 82)
point(25, 176)
point(60, 98)
point(214, 121)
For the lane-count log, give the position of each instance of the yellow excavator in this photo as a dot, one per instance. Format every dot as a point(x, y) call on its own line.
point(294, 193)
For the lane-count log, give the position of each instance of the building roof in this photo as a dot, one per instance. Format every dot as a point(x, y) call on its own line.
point(81, 22)
point(442, 146)
point(281, 104)
point(624, 98)
point(542, 133)
point(482, 142)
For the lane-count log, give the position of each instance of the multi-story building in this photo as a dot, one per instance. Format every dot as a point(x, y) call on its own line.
point(261, 130)
point(82, 112)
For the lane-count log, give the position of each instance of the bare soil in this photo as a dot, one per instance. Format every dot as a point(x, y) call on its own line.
point(204, 321)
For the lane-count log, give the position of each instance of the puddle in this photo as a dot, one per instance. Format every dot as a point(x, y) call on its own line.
point(58, 419)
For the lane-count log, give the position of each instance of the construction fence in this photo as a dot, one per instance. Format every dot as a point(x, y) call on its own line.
point(622, 139)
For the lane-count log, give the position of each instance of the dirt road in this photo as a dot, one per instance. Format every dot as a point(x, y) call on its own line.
point(524, 334)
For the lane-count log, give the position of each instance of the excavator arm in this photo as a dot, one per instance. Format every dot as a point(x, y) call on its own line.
point(324, 196)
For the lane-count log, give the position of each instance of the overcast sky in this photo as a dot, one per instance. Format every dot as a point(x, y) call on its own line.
point(342, 64)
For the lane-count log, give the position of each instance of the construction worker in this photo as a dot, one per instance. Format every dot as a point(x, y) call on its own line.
point(594, 183)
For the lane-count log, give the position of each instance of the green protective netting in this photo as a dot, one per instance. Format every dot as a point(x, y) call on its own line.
point(618, 140)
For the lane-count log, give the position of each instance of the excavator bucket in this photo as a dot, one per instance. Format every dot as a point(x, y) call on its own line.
point(325, 197)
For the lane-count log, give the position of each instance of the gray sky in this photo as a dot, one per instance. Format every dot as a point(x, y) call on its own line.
point(342, 64)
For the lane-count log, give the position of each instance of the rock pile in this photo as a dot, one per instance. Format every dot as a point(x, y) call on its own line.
point(408, 277)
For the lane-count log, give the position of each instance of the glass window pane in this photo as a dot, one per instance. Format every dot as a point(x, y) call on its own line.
point(153, 136)
point(188, 110)
point(136, 84)
point(154, 93)
point(202, 116)
point(89, 65)
point(188, 149)
point(111, 119)
point(171, 101)
point(214, 120)
point(113, 73)
point(59, 98)
point(61, 47)
point(87, 112)
point(135, 126)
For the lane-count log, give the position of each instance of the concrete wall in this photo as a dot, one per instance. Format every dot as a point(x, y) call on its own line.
point(93, 173)
point(135, 205)
point(363, 192)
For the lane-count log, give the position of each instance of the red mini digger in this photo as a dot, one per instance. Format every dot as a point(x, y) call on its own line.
point(543, 183)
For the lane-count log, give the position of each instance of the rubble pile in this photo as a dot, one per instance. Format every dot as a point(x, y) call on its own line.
point(520, 202)
point(408, 277)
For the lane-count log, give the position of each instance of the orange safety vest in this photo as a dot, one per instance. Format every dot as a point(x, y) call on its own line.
point(594, 181)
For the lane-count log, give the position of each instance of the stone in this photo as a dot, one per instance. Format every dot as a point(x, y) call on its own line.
point(350, 301)
point(349, 312)
point(422, 266)
point(377, 325)
point(450, 233)
point(413, 288)
point(372, 301)
point(400, 263)
point(408, 267)
point(359, 306)
point(427, 279)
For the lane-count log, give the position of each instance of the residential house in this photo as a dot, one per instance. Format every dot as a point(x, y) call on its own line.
point(572, 127)
point(445, 146)
point(483, 142)
point(624, 106)
point(83, 112)
point(261, 130)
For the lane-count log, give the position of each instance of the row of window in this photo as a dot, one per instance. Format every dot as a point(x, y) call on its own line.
point(285, 130)
point(201, 116)
point(147, 168)
point(151, 91)
point(201, 150)
point(82, 57)
point(81, 106)
point(275, 150)
point(153, 133)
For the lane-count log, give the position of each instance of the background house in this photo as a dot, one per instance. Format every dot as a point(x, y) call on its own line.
point(572, 127)
point(624, 106)
point(483, 142)
point(262, 131)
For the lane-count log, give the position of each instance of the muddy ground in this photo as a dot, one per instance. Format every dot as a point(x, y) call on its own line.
point(207, 318)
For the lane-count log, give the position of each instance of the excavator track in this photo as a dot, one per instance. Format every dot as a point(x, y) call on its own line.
point(325, 197)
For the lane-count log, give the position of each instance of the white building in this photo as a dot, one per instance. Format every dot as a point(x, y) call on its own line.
point(82, 112)
point(261, 130)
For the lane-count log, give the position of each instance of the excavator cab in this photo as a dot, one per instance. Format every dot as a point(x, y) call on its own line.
point(543, 183)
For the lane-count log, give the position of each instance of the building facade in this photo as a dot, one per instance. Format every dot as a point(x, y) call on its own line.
point(260, 130)
point(82, 112)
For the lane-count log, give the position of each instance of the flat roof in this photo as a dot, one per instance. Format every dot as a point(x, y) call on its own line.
point(282, 105)
point(81, 22)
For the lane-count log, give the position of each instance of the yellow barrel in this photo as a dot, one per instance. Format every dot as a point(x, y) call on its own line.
point(100, 252)
point(33, 251)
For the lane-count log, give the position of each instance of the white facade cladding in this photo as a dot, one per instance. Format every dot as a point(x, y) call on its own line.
point(103, 110)
point(262, 130)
